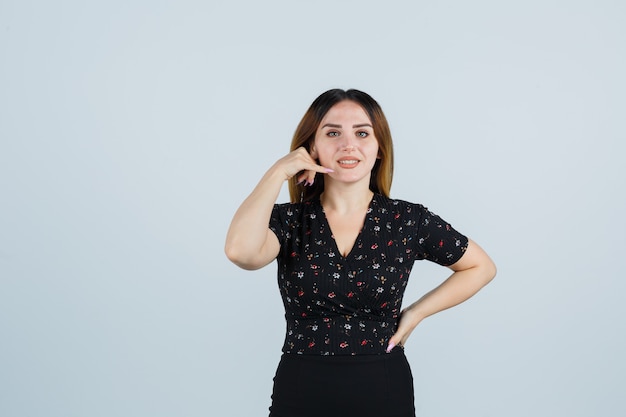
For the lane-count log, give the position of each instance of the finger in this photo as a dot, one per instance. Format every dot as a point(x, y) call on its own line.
point(300, 177)
point(305, 177)
point(308, 176)
point(312, 163)
point(297, 162)
point(394, 341)
point(319, 168)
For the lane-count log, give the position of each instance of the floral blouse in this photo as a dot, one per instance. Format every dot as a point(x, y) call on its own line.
point(336, 305)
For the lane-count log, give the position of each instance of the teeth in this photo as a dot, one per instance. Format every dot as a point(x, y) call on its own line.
point(351, 161)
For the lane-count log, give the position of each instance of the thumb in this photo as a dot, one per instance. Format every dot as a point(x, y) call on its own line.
point(393, 342)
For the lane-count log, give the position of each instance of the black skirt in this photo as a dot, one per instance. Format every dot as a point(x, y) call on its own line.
point(343, 386)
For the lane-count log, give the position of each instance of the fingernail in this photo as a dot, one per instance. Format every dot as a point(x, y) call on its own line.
point(390, 347)
point(311, 182)
point(329, 170)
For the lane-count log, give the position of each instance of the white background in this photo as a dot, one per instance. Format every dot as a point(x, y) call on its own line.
point(131, 130)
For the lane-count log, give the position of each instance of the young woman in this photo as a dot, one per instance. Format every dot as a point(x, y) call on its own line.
point(345, 250)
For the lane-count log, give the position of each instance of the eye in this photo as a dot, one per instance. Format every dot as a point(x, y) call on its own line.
point(332, 134)
point(362, 134)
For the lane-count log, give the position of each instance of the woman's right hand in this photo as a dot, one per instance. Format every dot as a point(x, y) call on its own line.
point(301, 163)
point(250, 243)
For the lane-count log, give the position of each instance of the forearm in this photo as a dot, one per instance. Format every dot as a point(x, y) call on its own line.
point(249, 242)
point(459, 287)
point(248, 230)
point(472, 272)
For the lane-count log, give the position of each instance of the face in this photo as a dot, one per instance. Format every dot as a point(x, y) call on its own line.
point(345, 142)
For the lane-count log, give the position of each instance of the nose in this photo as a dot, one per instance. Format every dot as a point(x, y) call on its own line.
point(348, 144)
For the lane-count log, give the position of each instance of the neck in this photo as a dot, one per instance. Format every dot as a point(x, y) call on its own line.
point(345, 199)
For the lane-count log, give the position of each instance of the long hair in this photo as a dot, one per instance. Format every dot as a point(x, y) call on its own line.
point(382, 173)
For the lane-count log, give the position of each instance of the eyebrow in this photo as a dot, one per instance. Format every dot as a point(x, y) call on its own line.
point(336, 126)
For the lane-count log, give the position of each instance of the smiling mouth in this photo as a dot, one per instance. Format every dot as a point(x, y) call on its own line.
point(348, 162)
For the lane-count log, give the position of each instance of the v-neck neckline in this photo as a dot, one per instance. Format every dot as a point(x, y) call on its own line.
point(358, 239)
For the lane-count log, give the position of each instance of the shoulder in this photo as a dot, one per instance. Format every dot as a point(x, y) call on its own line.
point(306, 206)
point(398, 206)
point(291, 212)
point(415, 215)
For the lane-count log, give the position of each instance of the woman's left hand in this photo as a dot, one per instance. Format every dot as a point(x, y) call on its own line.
point(472, 272)
point(408, 322)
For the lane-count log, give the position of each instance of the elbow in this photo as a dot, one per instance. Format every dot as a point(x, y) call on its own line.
point(485, 271)
point(490, 271)
point(235, 255)
point(230, 251)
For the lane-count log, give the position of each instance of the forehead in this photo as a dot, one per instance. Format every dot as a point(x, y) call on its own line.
point(346, 111)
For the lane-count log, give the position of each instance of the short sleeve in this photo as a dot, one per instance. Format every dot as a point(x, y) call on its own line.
point(437, 240)
point(277, 224)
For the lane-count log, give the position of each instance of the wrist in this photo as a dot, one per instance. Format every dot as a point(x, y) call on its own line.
point(413, 315)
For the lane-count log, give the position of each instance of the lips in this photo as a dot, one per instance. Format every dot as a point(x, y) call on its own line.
point(348, 162)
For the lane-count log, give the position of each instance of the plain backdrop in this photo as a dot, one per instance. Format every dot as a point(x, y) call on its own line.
point(130, 131)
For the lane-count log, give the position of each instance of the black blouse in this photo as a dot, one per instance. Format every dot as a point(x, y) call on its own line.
point(336, 305)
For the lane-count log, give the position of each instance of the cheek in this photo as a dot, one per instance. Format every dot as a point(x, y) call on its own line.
point(324, 159)
point(375, 150)
point(323, 154)
point(315, 148)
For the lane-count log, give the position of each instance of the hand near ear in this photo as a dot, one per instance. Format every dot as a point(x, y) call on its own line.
point(302, 163)
point(250, 244)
